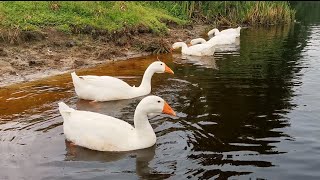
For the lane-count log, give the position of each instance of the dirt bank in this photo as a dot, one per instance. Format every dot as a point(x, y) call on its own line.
point(51, 52)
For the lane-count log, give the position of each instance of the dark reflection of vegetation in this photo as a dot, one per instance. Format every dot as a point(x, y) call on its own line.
point(307, 12)
point(247, 98)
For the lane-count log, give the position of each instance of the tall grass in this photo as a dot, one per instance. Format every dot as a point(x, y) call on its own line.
point(231, 12)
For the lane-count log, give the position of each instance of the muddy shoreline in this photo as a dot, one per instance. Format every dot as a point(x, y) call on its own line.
point(56, 52)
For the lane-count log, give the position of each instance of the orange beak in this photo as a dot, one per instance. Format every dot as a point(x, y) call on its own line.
point(171, 49)
point(168, 110)
point(168, 70)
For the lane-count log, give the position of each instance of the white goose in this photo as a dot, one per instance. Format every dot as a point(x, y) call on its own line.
point(220, 44)
point(196, 50)
point(224, 39)
point(216, 32)
point(105, 133)
point(107, 88)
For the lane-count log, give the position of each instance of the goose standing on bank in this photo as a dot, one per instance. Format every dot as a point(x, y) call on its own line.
point(107, 88)
point(105, 133)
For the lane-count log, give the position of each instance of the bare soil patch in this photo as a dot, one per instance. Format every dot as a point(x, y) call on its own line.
point(34, 55)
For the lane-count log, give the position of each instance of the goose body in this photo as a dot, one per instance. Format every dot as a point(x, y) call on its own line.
point(220, 44)
point(196, 50)
point(105, 133)
point(107, 88)
point(229, 31)
point(216, 40)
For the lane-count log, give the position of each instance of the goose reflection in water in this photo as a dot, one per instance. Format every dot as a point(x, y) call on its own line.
point(202, 61)
point(111, 108)
point(143, 158)
point(228, 48)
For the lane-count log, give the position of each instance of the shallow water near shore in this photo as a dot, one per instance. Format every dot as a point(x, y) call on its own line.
point(251, 113)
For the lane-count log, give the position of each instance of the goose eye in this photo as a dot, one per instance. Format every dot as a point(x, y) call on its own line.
point(158, 101)
point(161, 64)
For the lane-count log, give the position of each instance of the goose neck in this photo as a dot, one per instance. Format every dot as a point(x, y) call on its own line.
point(146, 80)
point(141, 122)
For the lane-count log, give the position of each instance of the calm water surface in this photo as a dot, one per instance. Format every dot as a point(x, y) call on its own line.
point(252, 113)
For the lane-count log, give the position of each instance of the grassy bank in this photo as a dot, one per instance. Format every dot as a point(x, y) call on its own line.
point(106, 17)
point(64, 15)
point(95, 18)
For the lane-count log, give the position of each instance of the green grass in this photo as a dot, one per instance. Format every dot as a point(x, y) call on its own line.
point(108, 16)
point(118, 15)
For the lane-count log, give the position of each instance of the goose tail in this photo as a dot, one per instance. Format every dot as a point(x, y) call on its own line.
point(65, 110)
point(75, 78)
point(239, 28)
point(77, 82)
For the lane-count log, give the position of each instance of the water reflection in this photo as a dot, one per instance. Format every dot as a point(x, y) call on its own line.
point(77, 153)
point(241, 109)
point(228, 48)
point(202, 61)
point(307, 11)
point(143, 158)
point(111, 108)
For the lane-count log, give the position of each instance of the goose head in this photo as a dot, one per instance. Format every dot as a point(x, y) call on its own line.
point(155, 104)
point(160, 67)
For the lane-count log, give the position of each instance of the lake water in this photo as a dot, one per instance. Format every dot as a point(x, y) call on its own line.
point(249, 114)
